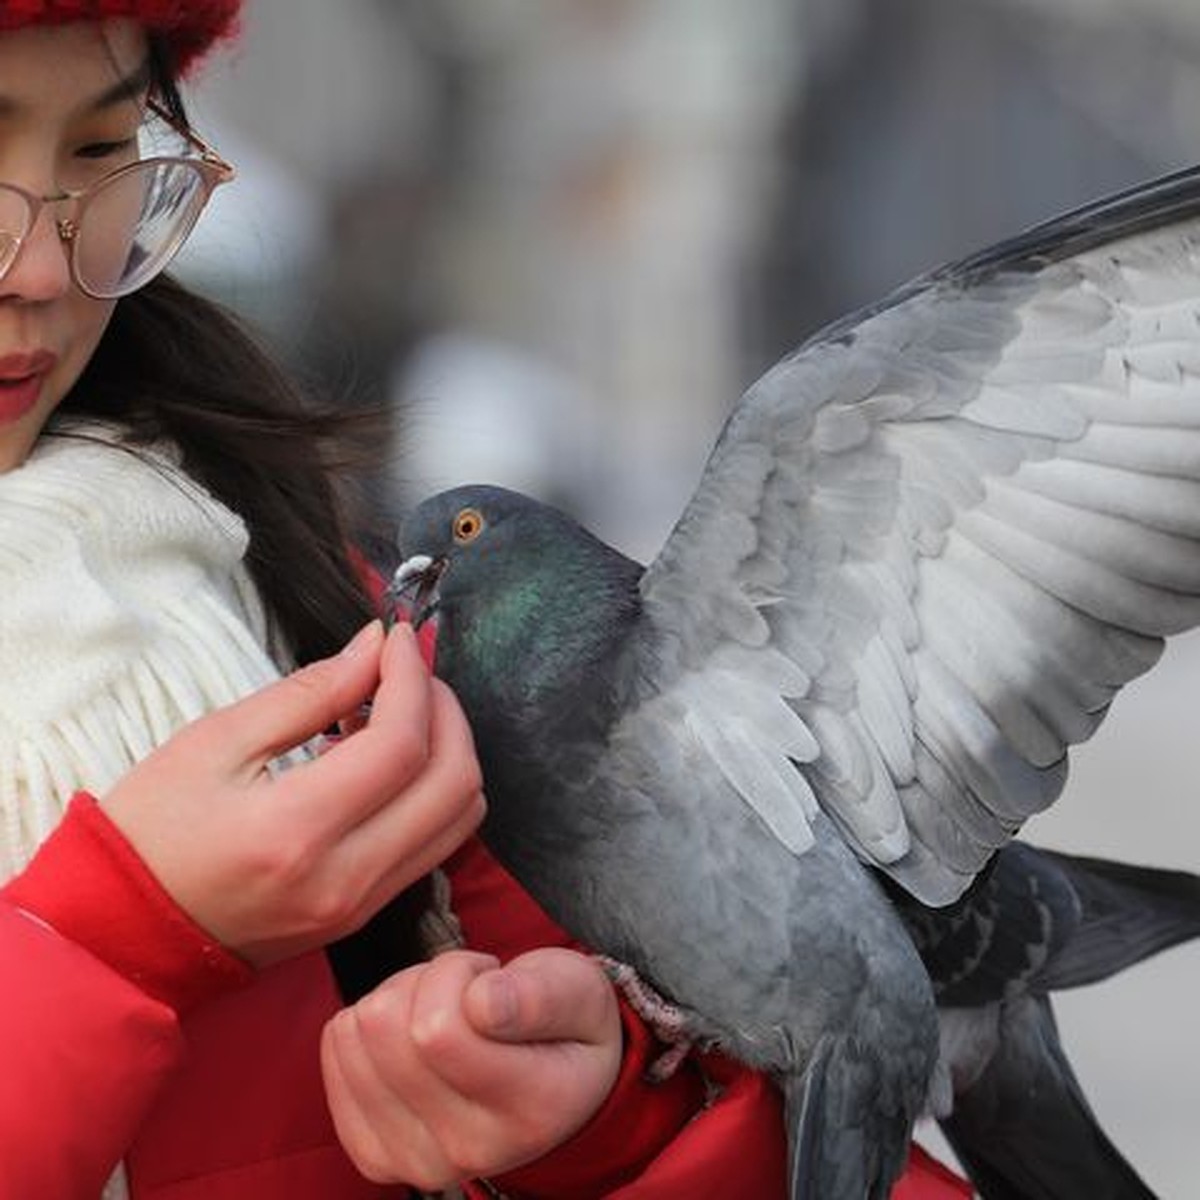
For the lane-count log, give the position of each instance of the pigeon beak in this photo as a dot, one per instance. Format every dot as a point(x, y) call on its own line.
point(413, 591)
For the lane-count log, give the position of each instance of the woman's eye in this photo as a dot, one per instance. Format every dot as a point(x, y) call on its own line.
point(113, 149)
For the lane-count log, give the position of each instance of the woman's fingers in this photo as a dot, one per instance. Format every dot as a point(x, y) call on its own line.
point(388, 1106)
point(423, 1090)
point(361, 826)
point(250, 733)
point(398, 746)
point(545, 995)
point(444, 801)
point(273, 864)
point(369, 1117)
point(553, 1000)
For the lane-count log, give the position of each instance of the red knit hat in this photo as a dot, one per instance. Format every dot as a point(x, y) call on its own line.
point(188, 27)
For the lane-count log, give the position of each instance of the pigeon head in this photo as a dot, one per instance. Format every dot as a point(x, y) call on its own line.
point(526, 603)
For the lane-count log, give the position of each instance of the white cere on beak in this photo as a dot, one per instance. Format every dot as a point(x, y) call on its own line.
point(410, 569)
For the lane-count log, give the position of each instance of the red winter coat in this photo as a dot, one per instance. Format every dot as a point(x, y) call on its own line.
point(127, 1033)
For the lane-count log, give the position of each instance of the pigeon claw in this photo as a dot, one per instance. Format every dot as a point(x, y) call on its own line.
point(668, 1022)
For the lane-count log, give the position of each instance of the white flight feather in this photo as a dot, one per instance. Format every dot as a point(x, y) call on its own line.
point(966, 524)
point(719, 710)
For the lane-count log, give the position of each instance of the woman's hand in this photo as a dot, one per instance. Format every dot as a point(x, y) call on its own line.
point(459, 1068)
point(272, 865)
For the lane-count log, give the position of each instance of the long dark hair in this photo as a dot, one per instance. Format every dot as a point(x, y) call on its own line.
point(174, 365)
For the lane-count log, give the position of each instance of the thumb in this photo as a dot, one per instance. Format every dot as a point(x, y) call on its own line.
point(547, 995)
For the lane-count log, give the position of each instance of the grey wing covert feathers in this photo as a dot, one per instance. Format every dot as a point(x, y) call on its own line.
point(931, 545)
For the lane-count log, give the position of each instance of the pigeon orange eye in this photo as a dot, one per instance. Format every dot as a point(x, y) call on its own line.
point(468, 525)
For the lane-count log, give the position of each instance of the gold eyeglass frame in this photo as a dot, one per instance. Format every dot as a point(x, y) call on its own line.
point(213, 171)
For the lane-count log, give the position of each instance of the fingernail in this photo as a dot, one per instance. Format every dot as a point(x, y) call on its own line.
point(500, 1001)
point(403, 631)
point(367, 636)
point(423, 640)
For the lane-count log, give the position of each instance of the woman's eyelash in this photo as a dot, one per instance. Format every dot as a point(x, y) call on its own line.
point(104, 149)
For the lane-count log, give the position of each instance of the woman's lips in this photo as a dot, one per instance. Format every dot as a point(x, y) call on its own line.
point(21, 379)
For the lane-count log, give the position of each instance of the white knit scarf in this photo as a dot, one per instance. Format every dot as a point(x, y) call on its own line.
point(126, 610)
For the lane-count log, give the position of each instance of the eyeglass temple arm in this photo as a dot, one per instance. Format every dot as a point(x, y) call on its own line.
point(225, 169)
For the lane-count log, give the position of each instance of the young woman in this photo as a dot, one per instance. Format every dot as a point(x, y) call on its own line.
point(175, 637)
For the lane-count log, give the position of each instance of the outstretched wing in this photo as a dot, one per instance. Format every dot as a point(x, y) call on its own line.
point(930, 546)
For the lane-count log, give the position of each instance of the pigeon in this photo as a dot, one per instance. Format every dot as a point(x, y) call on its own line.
point(1036, 922)
point(927, 550)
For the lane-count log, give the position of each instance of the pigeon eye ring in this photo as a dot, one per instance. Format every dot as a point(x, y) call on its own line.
point(468, 525)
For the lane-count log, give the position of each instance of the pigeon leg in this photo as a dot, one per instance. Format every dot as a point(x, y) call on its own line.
point(667, 1021)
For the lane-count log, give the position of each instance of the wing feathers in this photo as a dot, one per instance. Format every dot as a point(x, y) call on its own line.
point(1138, 547)
point(752, 736)
point(964, 520)
point(962, 833)
point(1025, 411)
point(1038, 691)
point(1153, 501)
point(885, 704)
point(850, 768)
point(1097, 590)
point(1097, 658)
point(981, 641)
point(1159, 450)
point(957, 730)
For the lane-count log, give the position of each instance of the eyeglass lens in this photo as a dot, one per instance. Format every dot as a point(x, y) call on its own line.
point(133, 224)
point(14, 218)
point(127, 229)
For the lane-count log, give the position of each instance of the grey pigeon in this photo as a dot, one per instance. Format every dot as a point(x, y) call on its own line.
point(927, 550)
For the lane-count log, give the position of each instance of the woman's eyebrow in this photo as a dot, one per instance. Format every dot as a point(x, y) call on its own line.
point(129, 87)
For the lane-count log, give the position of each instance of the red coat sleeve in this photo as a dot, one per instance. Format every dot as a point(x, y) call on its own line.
point(95, 959)
point(651, 1141)
point(84, 1052)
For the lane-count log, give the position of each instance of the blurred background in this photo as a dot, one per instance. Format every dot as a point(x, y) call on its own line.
point(561, 236)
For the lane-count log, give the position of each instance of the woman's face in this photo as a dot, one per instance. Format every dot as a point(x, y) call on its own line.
point(71, 102)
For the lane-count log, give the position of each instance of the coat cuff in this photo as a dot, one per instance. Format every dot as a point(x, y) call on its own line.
point(733, 1145)
point(88, 883)
point(631, 1128)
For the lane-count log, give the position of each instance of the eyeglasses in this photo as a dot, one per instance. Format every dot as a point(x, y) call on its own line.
point(127, 225)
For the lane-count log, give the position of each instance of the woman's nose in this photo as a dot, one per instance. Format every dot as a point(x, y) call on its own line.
point(41, 271)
